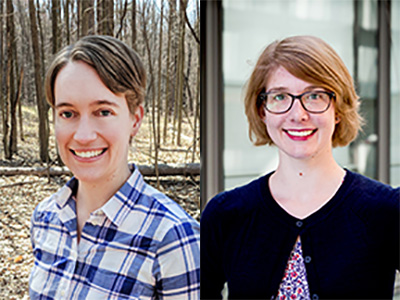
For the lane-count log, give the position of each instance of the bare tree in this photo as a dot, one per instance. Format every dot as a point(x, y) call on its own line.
point(181, 63)
point(87, 15)
point(41, 105)
point(147, 42)
point(12, 108)
point(167, 92)
point(133, 24)
point(55, 15)
point(108, 17)
point(159, 74)
point(66, 18)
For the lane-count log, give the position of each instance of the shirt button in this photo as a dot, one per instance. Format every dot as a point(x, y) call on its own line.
point(63, 293)
point(307, 259)
point(315, 297)
point(299, 223)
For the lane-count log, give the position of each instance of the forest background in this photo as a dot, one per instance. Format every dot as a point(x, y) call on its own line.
point(165, 33)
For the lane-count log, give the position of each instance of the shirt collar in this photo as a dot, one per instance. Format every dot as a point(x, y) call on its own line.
point(118, 207)
point(121, 204)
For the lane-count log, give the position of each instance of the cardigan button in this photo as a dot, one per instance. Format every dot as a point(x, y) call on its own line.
point(315, 297)
point(307, 259)
point(299, 223)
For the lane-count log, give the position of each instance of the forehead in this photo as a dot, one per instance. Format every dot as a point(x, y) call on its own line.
point(79, 82)
point(280, 78)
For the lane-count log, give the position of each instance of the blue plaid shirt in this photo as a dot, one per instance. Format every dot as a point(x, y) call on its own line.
point(139, 245)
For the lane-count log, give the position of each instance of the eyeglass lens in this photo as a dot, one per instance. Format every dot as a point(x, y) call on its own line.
point(315, 101)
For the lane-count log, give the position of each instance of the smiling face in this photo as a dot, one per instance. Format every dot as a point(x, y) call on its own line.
point(92, 125)
point(298, 133)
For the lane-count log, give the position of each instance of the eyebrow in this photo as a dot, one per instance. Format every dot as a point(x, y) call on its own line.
point(95, 103)
point(286, 89)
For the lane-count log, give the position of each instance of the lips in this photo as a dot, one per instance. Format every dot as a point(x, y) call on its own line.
point(300, 134)
point(88, 153)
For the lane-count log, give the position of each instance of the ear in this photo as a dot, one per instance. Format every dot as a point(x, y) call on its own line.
point(261, 113)
point(137, 119)
point(337, 119)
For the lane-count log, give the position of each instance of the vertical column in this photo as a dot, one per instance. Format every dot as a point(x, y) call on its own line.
point(211, 115)
point(384, 43)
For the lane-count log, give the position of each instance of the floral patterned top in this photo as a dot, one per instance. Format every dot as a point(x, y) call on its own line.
point(294, 284)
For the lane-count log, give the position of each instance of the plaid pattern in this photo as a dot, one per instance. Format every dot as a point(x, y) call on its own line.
point(139, 245)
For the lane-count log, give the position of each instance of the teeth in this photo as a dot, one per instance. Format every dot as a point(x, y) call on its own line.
point(300, 133)
point(88, 154)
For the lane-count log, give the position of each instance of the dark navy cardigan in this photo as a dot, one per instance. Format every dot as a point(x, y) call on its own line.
point(350, 245)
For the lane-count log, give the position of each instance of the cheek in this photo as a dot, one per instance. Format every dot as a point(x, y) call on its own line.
point(60, 133)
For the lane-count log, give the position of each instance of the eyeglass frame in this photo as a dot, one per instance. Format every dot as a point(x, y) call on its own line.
point(262, 99)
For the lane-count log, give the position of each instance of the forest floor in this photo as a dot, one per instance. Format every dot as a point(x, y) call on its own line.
point(19, 195)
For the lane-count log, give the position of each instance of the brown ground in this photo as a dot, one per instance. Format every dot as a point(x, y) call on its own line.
point(20, 194)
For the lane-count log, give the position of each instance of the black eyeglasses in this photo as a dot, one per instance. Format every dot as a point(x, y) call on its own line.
point(315, 102)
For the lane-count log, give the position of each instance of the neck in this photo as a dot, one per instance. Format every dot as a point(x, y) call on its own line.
point(93, 195)
point(302, 186)
point(308, 176)
point(320, 163)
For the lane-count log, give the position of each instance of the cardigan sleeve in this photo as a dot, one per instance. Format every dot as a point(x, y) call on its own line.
point(212, 276)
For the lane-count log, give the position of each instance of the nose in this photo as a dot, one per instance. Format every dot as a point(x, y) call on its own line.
point(297, 112)
point(85, 131)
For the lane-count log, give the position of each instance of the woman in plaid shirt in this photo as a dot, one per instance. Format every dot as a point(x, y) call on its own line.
point(107, 234)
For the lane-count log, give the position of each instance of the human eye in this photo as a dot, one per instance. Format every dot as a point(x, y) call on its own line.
point(104, 112)
point(279, 97)
point(67, 114)
point(315, 95)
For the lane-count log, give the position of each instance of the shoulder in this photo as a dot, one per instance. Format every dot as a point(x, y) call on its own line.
point(48, 208)
point(164, 205)
point(156, 216)
point(238, 201)
point(373, 191)
point(373, 198)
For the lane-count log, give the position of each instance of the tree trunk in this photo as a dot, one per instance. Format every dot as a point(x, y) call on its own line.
point(25, 65)
point(181, 64)
point(108, 17)
point(122, 19)
point(66, 18)
point(83, 12)
point(99, 19)
point(79, 19)
point(41, 42)
point(43, 118)
point(164, 170)
point(87, 15)
point(11, 108)
point(55, 15)
point(4, 99)
point(167, 92)
point(159, 74)
point(133, 24)
point(147, 42)
point(18, 101)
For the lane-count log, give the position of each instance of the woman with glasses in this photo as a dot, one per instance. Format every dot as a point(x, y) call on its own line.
point(311, 229)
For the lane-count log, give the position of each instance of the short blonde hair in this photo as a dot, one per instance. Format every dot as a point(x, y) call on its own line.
point(310, 59)
point(118, 66)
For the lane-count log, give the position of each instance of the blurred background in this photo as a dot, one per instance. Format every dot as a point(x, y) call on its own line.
point(366, 35)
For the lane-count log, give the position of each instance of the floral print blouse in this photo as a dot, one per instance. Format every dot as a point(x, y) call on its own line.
point(294, 284)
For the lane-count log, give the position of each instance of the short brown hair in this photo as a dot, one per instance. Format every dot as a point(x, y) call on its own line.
point(310, 59)
point(118, 66)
